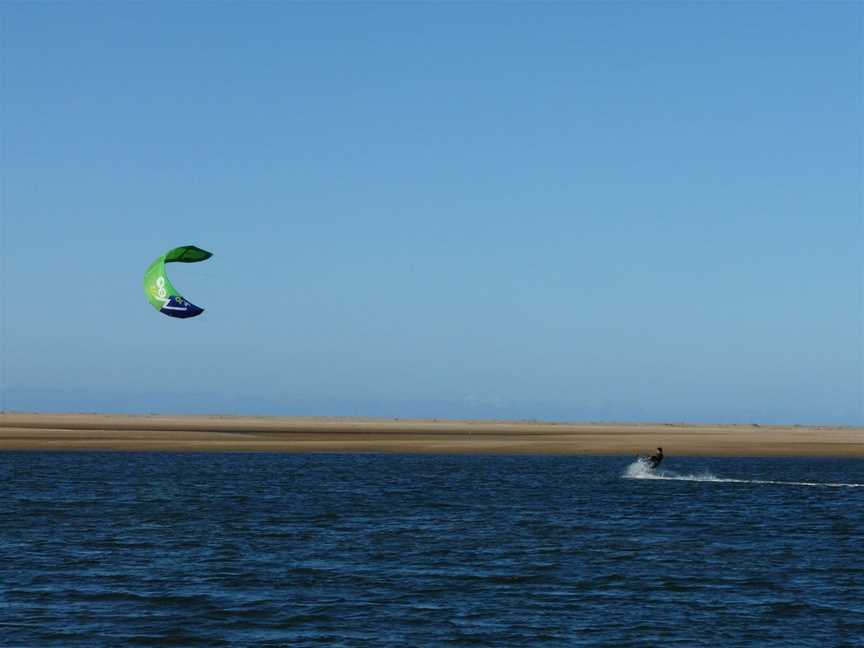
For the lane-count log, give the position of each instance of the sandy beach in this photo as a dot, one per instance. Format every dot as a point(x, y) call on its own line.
point(76, 432)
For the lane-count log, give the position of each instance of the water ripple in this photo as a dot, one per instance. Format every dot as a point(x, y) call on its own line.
point(100, 550)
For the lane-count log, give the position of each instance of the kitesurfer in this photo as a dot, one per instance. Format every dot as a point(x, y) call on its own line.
point(655, 459)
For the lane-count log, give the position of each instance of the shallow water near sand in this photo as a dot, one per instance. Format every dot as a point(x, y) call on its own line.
point(137, 549)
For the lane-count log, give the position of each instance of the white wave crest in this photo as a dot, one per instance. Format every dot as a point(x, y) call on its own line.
point(640, 469)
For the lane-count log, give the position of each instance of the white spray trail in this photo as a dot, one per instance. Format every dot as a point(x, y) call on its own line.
point(640, 469)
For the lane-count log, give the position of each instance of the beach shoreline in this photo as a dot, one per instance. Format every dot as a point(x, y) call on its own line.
point(21, 431)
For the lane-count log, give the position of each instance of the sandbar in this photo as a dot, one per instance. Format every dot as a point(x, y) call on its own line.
point(114, 432)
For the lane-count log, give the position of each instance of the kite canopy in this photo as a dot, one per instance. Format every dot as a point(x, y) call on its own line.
point(158, 288)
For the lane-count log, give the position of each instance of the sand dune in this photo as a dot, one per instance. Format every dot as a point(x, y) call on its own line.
point(26, 431)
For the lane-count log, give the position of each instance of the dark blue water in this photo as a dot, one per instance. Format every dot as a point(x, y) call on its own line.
point(104, 549)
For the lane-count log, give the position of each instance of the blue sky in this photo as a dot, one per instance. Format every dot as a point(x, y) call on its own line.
point(562, 211)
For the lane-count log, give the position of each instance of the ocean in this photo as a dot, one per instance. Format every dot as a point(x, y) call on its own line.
point(267, 550)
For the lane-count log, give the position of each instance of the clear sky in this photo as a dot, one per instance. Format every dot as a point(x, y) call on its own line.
point(562, 211)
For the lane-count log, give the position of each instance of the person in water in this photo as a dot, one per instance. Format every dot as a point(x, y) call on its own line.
point(655, 459)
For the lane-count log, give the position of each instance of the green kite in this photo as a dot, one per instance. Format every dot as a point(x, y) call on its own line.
point(161, 293)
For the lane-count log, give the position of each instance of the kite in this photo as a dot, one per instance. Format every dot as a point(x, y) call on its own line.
point(161, 293)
